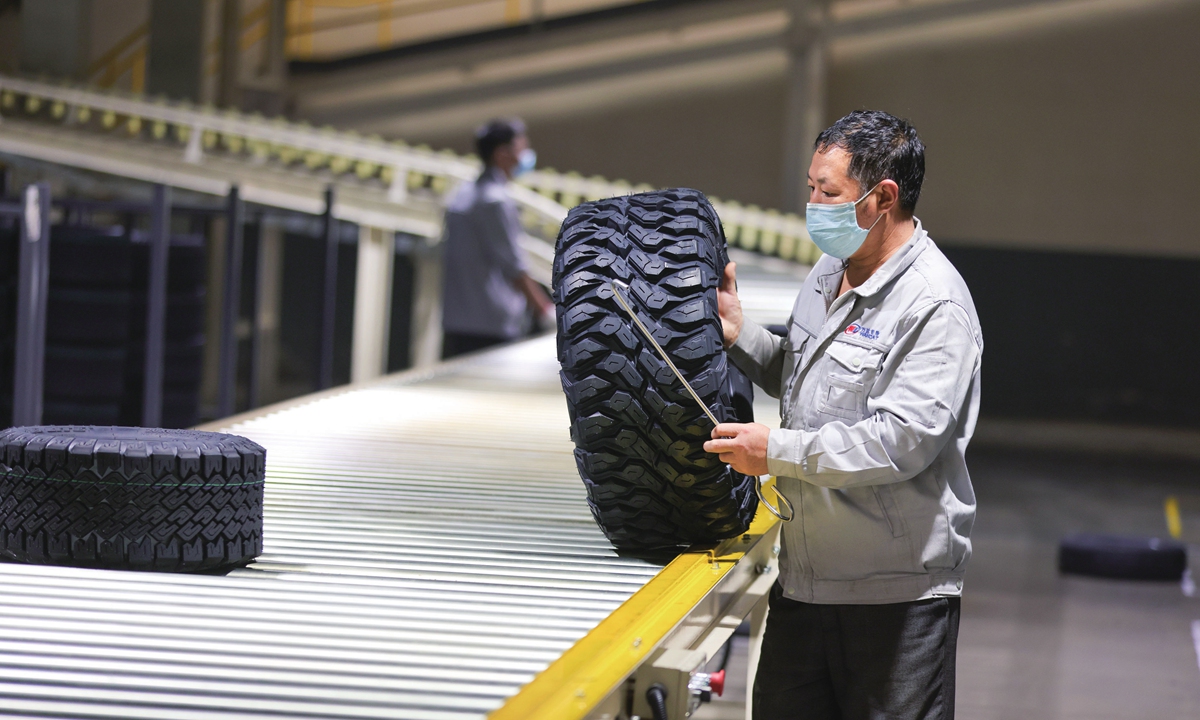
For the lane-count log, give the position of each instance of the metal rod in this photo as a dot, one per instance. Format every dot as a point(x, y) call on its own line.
point(156, 306)
point(616, 285)
point(33, 287)
point(231, 306)
point(328, 295)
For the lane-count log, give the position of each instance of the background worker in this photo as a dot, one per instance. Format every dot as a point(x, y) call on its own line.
point(486, 291)
point(878, 380)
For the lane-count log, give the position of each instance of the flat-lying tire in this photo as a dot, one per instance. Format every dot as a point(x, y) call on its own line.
point(1123, 557)
point(130, 498)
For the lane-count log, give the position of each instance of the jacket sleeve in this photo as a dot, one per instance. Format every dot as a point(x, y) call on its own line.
point(923, 390)
point(759, 353)
point(500, 232)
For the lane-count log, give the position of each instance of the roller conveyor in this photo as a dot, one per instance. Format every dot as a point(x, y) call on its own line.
point(428, 555)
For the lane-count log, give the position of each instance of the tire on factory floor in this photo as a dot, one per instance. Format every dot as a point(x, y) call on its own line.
point(1122, 557)
point(130, 498)
point(638, 435)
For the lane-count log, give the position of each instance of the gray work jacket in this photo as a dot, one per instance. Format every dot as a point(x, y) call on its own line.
point(482, 260)
point(879, 392)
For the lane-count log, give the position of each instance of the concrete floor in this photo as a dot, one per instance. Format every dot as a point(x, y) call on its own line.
point(1035, 645)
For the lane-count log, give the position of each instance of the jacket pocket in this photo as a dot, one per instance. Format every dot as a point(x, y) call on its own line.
point(843, 398)
point(848, 379)
point(891, 510)
point(848, 536)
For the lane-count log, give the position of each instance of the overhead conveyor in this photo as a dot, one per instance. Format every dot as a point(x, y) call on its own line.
point(383, 187)
point(284, 164)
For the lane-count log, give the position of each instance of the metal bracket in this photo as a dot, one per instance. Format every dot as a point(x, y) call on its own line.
point(672, 669)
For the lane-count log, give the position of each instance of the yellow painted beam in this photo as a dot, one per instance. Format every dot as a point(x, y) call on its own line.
point(1174, 521)
point(591, 668)
point(137, 35)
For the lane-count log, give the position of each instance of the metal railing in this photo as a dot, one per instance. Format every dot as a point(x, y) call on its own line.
point(544, 196)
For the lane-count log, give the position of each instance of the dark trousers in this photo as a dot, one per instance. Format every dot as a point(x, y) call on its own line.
point(456, 343)
point(857, 662)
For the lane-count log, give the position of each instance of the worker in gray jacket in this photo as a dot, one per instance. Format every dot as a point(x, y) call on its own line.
point(486, 289)
point(878, 381)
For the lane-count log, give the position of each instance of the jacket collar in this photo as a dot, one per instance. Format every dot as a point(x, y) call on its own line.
point(896, 264)
point(492, 175)
point(828, 283)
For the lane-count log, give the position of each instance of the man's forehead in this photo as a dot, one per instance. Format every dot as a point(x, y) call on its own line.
point(831, 165)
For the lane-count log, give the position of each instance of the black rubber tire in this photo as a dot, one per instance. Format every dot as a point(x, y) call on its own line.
point(84, 373)
point(115, 316)
point(185, 315)
point(8, 307)
point(85, 257)
point(1117, 556)
point(88, 316)
point(183, 364)
point(638, 434)
point(130, 498)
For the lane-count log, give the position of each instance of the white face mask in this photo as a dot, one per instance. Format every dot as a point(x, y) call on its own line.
point(834, 228)
point(526, 162)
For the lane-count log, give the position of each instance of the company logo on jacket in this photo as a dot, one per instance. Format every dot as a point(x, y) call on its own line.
point(864, 332)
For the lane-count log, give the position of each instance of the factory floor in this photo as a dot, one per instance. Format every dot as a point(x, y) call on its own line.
point(1035, 645)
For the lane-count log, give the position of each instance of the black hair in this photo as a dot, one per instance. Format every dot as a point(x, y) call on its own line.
point(494, 133)
point(881, 147)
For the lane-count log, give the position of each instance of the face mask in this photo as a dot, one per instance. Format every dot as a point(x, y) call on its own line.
point(525, 162)
point(834, 228)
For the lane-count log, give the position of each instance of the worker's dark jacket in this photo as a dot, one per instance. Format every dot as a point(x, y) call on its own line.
point(482, 261)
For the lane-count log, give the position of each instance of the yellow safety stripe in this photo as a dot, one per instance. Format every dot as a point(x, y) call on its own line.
point(587, 672)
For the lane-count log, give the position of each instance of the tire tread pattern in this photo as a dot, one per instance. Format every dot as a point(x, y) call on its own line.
point(638, 434)
point(130, 498)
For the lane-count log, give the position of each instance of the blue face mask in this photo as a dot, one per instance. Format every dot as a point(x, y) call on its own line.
point(834, 228)
point(526, 162)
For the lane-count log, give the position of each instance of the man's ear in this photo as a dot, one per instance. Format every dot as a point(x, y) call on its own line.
point(889, 196)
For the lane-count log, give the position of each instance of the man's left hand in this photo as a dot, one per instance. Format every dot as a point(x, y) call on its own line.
point(742, 446)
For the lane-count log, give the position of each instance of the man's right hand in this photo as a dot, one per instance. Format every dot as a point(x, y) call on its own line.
point(729, 306)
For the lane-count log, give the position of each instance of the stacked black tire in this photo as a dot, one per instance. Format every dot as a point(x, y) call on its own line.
point(130, 498)
point(8, 316)
point(639, 436)
point(96, 328)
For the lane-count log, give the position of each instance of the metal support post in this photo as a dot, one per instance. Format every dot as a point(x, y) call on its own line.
point(328, 295)
point(372, 303)
point(268, 288)
point(33, 287)
point(156, 306)
point(804, 102)
point(426, 338)
point(231, 306)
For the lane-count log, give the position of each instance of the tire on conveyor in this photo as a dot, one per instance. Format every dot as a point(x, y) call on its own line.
point(130, 498)
point(638, 434)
